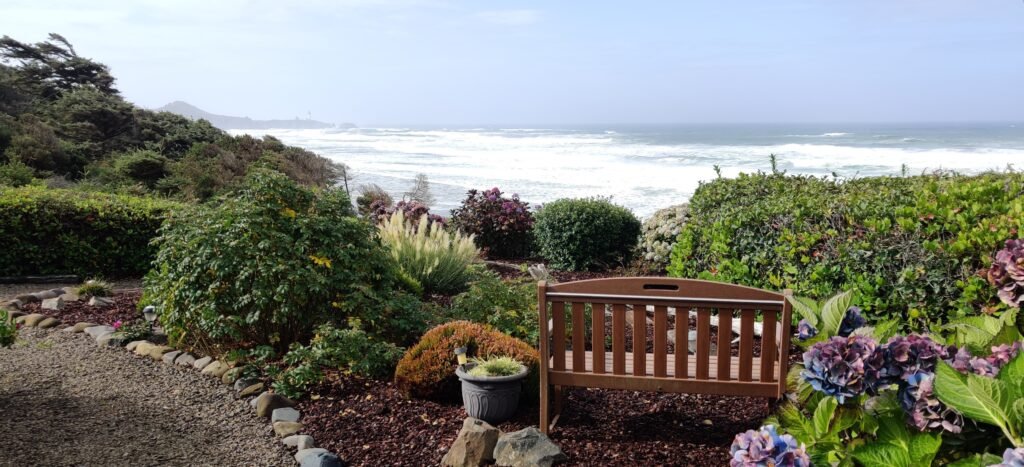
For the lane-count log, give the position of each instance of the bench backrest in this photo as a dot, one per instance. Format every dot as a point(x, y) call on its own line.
point(577, 312)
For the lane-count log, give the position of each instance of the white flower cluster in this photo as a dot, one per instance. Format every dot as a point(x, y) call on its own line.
point(659, 233)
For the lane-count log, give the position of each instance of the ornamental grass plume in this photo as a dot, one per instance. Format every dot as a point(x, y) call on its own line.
point(1007, 273)
point(844, 367)
point(439, 260)
point(766, 448)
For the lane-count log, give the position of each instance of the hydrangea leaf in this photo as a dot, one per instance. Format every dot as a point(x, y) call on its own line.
point(823, 415)
point(832, 312)
point(923, 447)
point(807, 309)
point(882, 455)
point(977, 397)
point(977, 460)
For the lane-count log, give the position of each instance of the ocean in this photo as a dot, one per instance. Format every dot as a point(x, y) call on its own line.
point(645, 167)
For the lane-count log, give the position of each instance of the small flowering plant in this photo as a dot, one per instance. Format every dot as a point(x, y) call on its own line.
point(1007, 273)
point(765, 447)
point(502, 225)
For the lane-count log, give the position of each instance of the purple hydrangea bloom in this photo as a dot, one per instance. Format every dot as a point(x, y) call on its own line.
point(844, 367)
point(1012, 458)
point(1007, 273)
point(989, 366)
point(924, 409)
point(805, 330)
point(852, 320)
point(766, 448)
point(906, 356)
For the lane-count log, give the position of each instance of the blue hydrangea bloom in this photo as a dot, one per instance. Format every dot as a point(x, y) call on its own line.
point(844, 367)
point(766, 448)
point(852, 320)
point(1012, 458)
point(805, 330)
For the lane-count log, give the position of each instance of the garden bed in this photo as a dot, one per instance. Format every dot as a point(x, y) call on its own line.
point(123, 309)
point(369, 422)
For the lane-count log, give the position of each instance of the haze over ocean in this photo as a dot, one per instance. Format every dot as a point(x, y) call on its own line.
point(647, 167)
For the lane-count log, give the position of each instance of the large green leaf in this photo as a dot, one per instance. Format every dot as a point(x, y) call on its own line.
point(882, 455)
point(832, 312)
point(923, 447)
point(807, 309)
point(795, 423)
point(895, 446)
point(977, 460)
point(977, 397)
point(823, 416)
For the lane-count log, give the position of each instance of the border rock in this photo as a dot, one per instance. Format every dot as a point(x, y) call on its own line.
point(527, 448)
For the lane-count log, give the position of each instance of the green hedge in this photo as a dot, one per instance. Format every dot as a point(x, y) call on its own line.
point(912, 246)
point(584, 233)
point(55, 231)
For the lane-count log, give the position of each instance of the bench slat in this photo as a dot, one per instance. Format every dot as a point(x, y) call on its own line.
point(639, 340)
point(703, 342)
point(724, 342)
point(558, 335)
point(682, 350)
point(619, 339)
point(579, 329)
point(660, 341)
point(671, 360)
point(597, 343)
point(746, 344)
point(768, 347)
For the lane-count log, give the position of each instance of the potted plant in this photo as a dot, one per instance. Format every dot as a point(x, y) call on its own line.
point(491, 387)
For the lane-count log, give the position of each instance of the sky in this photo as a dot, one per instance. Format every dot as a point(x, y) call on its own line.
point(439, 62)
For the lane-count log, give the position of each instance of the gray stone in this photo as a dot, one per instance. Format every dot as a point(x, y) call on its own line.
point(48, 323)
point(321, 459)
point(27, 298)
point(232, 375)
point(69, 330)
point(133, 344)
point(70, 297)
point(185, 359)
point(12, 304)
point(81, 327)
point(216, 369)
point(169, 357)
point(202, 363)
point(114, 339)
point(474, 446)
point(46, 294)
point(285, 414)
point(97, 331)
point(527, 448)
point(256, 400)
point(299, 442)
point(55, 303)
point(267, 402)
point(15, 314)
point(101, 301)
point(302, 453)
point(30, 320)
point(143, 348)
point(58, 291)
point(242, 383)
point(287, 428)
point(250, 390)
point(157, 352)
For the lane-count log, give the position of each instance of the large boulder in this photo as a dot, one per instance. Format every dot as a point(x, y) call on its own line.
point(474, 445)
point(527, 448)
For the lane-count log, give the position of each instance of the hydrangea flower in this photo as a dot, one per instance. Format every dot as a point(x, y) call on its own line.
point(805, 330)
point(852, 320)
point(1007, 273)
point(844, 367)
point(766, 448)
point(924, 409)
point(1012, 458)
point(989, 366)
point(909, 355)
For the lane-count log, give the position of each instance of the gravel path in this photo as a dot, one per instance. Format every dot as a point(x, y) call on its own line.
point(65, 401)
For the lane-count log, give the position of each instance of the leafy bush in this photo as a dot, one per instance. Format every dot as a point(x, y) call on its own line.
point(370, 194)
point(427, 370)
point(912, 247)
point(659, 233)
point(8, 330)
point(381, 210)
point(268, 265)
point(15, 174)
point(579, 234)
point(95, 288)
point(438, 260)
point(495, 366)
point(146, 167)
point(134, 330)
point(56, 231)
point(352, 350)
point(1007, 273)
point(511, 307)
point(502, 227)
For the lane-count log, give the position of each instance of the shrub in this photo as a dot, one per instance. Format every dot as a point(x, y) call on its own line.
point(502, 227)
point(381, 210)
point(510, 307)
point(134, 330)
point(912, 247)
point(146, 167)
point(659, 233)
point(96, 288)
point(438, 260)
point(427, 370)
point(15, 174)
point(56, 231)
point(8, 330)
point(370, 194)
point(579, 234)
point(352, 350)
point(267, 265)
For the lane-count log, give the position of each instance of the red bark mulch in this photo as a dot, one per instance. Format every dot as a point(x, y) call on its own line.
point(369, 422)
point(124, 308)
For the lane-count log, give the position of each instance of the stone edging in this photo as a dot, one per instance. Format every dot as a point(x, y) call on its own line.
point(278, 409)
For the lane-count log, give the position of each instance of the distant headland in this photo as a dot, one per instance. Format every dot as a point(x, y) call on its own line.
point(227, 122)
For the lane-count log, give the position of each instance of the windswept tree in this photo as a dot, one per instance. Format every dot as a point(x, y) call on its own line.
point(48, 69)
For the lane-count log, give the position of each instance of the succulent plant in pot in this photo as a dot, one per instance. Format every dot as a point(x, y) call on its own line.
point(491, 387)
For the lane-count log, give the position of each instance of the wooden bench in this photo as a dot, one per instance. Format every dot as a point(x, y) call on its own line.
point(579, 352)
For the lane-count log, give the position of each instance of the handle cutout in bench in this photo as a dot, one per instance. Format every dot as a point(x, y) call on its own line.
point(661, 287)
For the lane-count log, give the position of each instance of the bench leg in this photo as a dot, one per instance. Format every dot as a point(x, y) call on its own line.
point(545, 403)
